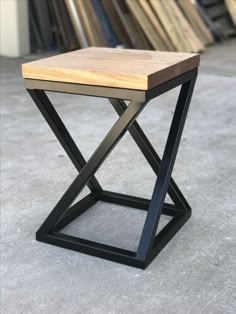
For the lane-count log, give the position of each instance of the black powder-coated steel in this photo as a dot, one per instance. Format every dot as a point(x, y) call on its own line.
point(150, 244)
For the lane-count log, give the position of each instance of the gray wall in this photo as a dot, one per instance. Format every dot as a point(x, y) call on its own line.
point(14, 28)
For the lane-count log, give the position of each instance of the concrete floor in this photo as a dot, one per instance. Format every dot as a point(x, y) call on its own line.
point(195, 273)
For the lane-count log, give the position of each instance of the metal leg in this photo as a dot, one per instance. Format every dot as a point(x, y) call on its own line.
point(166, 167)
point(54, 121)
point(151, 156)
point(92, 165)
point(150, 245)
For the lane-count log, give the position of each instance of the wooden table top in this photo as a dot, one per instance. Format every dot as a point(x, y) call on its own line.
point(110, 67)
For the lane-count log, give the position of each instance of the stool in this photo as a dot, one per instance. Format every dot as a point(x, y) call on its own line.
point(117, 74)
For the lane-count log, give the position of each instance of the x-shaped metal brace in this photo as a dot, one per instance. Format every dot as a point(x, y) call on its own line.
point(150, 244)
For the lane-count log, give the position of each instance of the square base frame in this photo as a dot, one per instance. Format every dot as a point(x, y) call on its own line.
point(110, 252)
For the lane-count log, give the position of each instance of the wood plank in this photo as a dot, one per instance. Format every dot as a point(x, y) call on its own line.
point(110, 36)
point(121, 68)
point(132, 28)
point(167, 24)
point(231, 6)
point(75, 19)
point(90, 23)
point(157, 25)
point(146, 25)
point(65, 26)
point(196, 21)
point(117, 23)
point(183, 40)
point(185, 29)
point(138, 30)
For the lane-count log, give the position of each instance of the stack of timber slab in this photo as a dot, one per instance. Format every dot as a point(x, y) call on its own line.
point(167, 25)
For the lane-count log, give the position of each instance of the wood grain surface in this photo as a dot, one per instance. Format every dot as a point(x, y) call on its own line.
point(122, 68)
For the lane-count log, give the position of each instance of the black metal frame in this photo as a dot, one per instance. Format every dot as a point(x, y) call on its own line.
point(63, 213)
